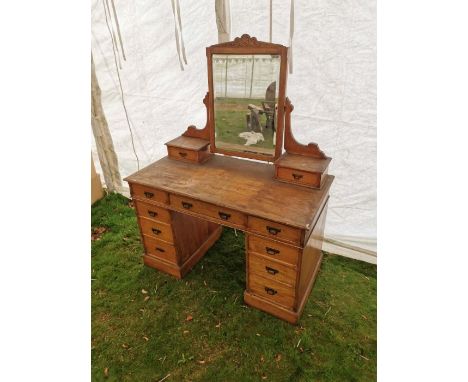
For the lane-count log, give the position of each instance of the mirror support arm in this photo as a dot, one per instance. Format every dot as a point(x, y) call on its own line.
point(291, 145)
point(204, 133)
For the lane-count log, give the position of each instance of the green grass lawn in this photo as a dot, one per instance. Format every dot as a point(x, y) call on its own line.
point(230, 121)
point(138, 336)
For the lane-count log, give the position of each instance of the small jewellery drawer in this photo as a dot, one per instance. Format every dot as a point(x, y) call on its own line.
point(182, 154)
point(273, 249)
point(272, 270)
point(300, 177)
point(160, 249)
point(207, 209)
point(270, 290)
point(156, 230)
point(149, 194)
point(275, 230)
point(153, 212)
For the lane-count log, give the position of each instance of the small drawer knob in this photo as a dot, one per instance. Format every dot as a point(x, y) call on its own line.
point(160, 249)
point(156, 231)
point(270, 291)
point(182, 154)
point(271, 271)
point(273, 230)
point(149, 195)
point(271, 251)
point(152, 213)
point(297, 176)
point(224, 215)
point(186, 205)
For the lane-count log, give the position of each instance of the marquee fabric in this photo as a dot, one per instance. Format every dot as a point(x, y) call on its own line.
point(333, 89)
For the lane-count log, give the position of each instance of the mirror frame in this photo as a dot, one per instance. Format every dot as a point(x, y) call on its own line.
point(249, 45)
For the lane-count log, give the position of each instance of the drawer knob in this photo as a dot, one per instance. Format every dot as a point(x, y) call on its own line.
point(224, 215)
point(273, 230)
point(152, 213)
point(270, 291)
point(186, 205)
point(297, 176)
point(271, 271)
point(156, 231)
point(149, 195)
point(160, 249)
point(271, 251)
point(182, 154)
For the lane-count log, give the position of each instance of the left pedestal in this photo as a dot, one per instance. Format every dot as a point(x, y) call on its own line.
point(173, 242)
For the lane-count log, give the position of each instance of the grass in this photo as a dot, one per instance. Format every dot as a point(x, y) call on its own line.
point(138, 340)
point(231, 121)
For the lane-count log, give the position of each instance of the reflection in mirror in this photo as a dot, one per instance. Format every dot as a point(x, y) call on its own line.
point(245, 98)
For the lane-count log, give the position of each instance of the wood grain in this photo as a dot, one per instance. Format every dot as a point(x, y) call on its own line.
point(273, 249)
point(271, 269)
point(153, 212)
point(245, 186)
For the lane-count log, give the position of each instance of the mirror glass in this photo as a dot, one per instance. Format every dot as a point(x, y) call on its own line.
point(245, 98)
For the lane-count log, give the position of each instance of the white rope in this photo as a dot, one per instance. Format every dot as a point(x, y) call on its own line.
point(291, 35)
point(223, 20)
point(178, 33)
point(271, 20)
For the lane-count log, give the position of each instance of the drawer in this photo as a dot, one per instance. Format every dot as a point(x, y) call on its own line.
point(207, 209)
point(149, 194)
point(153, 212)
point(304, 178)
point(156, 230)
point(160, 249)
point(273, 249)
point(275, 230)
point(182, 154)
point(272, 291)
point(272, 270)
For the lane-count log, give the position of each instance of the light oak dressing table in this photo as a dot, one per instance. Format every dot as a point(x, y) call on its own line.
point(183, 200)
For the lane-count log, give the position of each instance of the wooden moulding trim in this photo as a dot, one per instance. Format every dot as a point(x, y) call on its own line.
point(246, 41)
point(204, 133)
point(294, 147)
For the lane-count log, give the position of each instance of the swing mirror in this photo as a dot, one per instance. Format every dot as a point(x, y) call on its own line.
point(247, 86)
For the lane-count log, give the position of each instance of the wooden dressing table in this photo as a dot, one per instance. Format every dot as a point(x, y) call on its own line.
point(183, 200)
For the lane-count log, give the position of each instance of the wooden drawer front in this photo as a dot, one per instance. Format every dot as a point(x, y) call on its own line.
point(149, 194)
point(311, 179)
point(275, 230)
point(272, 270)
point(160, 249)
point(157, 230)
point(271, 290)
point(182, 154)
point(153, 212)
point(273, 249)
point(202, 208)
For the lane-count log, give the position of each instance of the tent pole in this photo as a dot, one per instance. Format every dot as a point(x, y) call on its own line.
point(103, 138)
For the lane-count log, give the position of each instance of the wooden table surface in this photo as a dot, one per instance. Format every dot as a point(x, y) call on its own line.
point(239, 184)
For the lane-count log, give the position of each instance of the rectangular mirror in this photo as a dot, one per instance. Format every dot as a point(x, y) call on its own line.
point(247, 99)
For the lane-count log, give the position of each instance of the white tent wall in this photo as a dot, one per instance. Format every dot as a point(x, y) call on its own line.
point(333, 89)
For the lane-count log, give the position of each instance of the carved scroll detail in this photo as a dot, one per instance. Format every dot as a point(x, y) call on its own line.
point(246, 41)
point(291, 145)
point(204, 133)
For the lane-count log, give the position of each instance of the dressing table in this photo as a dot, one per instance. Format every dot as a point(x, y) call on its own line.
point(208, 181)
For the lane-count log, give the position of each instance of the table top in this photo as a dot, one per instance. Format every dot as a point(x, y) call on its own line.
point(238, 184)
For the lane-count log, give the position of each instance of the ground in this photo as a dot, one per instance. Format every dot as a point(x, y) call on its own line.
point(147, 325)
point(231, 121)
